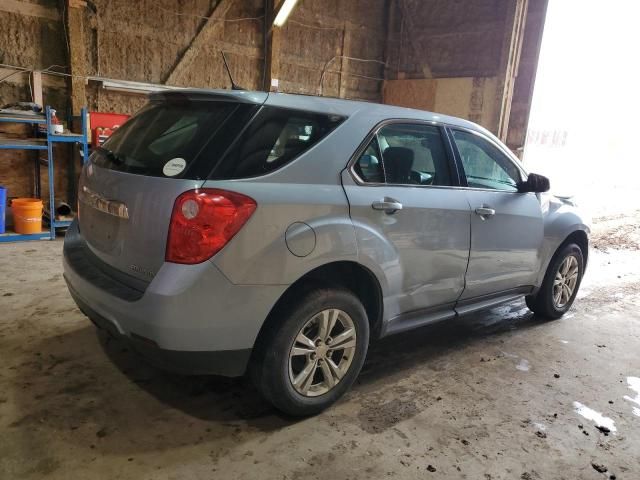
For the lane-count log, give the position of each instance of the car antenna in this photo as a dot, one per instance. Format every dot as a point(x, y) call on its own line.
point(234, 85)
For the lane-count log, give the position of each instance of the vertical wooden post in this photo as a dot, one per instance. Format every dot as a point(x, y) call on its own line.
point(512, 46)
point(36, 86)
point(346, 49)
point(272, 45)
point(387, 74)
point(78, 70)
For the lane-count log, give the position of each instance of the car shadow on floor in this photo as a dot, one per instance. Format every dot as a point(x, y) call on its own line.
point(221, 399)
point(126, 405)
point(206, 397)
point(401, 352)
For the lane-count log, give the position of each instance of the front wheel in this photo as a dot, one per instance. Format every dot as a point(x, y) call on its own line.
point(314, 354)
point(561, 283)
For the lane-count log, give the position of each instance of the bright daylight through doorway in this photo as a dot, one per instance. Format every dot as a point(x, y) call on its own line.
point(586, 103)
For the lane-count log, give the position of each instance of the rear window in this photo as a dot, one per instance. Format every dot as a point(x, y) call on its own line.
point(174, 138)
point(211, 139)
point(274, 138)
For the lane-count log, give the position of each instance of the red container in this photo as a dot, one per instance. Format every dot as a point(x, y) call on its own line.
point(103, 125)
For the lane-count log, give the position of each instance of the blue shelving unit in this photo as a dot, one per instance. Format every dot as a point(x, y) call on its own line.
point(44, 143)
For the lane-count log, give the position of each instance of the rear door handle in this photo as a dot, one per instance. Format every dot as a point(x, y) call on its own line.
point(485, 212)
point(389, 205)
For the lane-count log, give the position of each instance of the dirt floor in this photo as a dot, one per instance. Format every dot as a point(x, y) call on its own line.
point(502, 395)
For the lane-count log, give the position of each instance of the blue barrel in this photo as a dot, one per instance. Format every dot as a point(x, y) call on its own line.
point(3, 207)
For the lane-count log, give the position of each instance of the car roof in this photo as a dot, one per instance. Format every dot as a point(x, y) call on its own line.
point(328, 105)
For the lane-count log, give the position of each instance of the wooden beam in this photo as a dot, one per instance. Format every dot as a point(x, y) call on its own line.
point(77, 63)
point(36, 87)
point(391, 21)
point(212, 26)
point(272, 46)
point(510, 60)
point(29, 9)
point(346, 49)
point(526, 77)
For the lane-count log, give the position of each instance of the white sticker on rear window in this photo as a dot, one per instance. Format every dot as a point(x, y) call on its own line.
point(174, 167)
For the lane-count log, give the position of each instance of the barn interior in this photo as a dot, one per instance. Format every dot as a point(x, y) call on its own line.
point(497, 395)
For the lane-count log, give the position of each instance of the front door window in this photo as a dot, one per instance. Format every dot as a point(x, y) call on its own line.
point(485, 166)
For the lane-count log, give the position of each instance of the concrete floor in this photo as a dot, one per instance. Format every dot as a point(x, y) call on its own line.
point(490, 396)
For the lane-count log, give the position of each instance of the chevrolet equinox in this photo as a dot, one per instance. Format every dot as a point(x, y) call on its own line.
point(274, 235)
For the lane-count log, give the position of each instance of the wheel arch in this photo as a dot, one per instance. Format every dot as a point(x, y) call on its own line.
point(350, 275)
point(577, 236)
point(541, 302)
point(580, 238)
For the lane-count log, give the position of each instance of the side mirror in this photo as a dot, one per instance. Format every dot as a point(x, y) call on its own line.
point(534, 183)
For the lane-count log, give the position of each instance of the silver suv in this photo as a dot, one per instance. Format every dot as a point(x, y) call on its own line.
point(233, 232)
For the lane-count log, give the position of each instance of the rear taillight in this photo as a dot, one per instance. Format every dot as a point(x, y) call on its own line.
point(203, 221)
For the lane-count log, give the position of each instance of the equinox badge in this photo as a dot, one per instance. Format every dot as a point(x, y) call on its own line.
point(97, 201)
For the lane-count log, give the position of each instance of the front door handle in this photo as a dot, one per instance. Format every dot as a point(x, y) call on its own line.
point(485, 212)
point(389, 205)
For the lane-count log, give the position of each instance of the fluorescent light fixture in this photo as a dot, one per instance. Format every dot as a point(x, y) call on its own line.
point(284, 12)
point(132, 87)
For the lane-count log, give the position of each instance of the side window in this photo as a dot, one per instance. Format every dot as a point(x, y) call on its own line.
point(485, 166)
point(406, 154)
point(274, 138)
point(414, 154)
point(369, 165)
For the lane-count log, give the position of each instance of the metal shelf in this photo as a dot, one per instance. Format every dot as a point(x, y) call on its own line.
point(22, 144)
point(23, 119)
point(18, 237)
point(45, 143)
point(66, 137)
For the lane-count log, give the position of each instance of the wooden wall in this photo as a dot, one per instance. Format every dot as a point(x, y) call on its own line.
point(461, 57)
point(473, 98)
point(146, 40)
point(320, 33)
point(31, 36)
point(446, 38)
point(149, 47)
point(143, 41)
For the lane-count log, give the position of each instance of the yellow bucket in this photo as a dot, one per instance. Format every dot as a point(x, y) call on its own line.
point(27, 215)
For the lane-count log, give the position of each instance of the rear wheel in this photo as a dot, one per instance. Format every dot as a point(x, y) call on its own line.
point(561, 283)
point(315, 354)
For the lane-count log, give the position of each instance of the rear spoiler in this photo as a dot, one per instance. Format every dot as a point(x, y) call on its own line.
point(203, 95)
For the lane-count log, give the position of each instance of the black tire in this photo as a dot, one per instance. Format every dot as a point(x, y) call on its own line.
point(270, 366)
point(542, 303)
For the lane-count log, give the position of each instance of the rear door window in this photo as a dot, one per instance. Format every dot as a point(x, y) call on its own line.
point(405, 154)
point(275, 137)
point(179, 139)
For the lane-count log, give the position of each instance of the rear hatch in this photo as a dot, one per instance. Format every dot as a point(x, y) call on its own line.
point(128, 188)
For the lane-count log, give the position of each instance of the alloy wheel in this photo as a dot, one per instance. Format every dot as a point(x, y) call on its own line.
point(565, 281)
point(322, 352)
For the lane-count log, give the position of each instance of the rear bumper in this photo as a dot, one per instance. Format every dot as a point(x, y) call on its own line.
point(189, 319)
point(229, 363)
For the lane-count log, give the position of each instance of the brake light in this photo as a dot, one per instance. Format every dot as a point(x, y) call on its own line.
point(203, 221)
